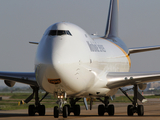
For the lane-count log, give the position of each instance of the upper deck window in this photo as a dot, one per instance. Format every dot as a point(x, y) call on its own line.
point(59, 32)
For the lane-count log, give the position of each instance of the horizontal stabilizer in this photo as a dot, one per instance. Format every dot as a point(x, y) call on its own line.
point(143, 49)
point(34, 43)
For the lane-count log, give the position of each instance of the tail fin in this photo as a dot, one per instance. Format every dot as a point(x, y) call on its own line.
point(112, 23)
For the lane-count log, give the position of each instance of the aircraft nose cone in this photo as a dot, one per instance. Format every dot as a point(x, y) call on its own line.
point(56, 59)
point(48, 57)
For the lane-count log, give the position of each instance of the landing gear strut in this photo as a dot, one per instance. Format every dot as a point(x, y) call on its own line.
point(106, 107)
point(134, 108)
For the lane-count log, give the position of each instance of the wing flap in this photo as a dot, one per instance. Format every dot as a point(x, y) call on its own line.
point(21, 77)
point(121, 79)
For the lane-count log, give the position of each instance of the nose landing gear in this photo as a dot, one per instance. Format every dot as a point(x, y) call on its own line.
point(66, 109)
point(61, 109)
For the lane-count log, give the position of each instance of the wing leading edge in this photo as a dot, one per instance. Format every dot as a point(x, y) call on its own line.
point(21, 77)
point(121, 79)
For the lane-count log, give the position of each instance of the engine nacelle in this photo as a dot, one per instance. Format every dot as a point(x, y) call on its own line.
point(9, 83)
point(142, 86)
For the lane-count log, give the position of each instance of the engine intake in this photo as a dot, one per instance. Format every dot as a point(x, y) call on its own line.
point(9, 83)
point(142, 86)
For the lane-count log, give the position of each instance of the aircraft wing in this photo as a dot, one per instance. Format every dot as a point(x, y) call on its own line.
point(143, 49)
point(121, 79)
point(21, 77)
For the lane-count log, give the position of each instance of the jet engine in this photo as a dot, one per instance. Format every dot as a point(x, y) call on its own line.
point(142, 86)
point(9, 83)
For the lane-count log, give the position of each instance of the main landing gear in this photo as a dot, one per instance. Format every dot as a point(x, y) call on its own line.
point(32, 109)
point(37, 108)
point(106, 107)
point(134, 108)
point(67, 109)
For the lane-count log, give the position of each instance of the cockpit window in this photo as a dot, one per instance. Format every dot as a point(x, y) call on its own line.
point(59, 32)
point(52, 32)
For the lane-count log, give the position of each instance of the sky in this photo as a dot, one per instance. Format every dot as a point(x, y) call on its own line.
point(22, 21)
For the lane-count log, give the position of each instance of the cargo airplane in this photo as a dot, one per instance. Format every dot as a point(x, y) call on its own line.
point(71, 64)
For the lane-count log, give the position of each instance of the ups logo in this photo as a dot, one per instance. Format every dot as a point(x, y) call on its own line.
point(54, 81)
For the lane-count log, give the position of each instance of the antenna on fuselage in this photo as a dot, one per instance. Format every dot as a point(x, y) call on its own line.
point(112, 22)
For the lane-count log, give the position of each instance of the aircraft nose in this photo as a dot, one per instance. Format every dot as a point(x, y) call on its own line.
point(55, 59)
point(49, 57)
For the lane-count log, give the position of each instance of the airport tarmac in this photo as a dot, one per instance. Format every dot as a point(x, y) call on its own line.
point(151, 108)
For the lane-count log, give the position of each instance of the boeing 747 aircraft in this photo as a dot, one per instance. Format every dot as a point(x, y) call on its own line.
point(71, 64)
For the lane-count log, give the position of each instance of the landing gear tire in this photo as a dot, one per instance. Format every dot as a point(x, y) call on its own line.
point(41, 110)
point(130, 110)
point(76, 110)
point(31, 110)
point(68, 107)
point(65, 111)
point(101, 110)
point(140, 110)
point(56, 112)
point(111, 110)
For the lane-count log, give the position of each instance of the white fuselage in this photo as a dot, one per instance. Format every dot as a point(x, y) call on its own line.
point(77, 63)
